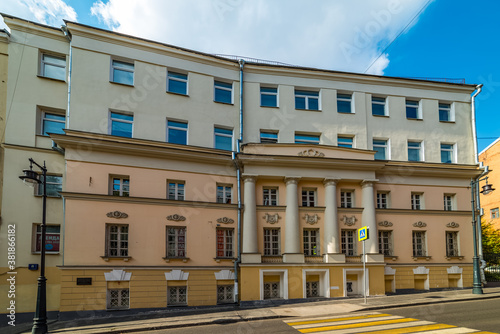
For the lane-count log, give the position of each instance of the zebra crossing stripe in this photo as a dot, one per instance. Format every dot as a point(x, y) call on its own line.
point(413, 329)
point(356, 325)
point(310, 322)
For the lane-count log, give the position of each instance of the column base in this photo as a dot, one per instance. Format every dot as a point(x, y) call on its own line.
point(251, 258)
point(293, 258)
point(334, 258)
point(374, 257)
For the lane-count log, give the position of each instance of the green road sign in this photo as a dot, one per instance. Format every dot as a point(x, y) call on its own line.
point(363, 233)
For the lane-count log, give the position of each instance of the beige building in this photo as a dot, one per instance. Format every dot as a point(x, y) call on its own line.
point(182, 178)
point(490, 157)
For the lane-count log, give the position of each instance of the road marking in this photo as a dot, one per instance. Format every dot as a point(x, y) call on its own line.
point(356, 325)
point(337, 319)
point(413, 329)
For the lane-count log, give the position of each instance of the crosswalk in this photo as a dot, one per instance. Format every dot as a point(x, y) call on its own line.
point(375, 323)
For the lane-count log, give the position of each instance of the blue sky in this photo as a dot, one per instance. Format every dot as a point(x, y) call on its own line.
point(407, 38)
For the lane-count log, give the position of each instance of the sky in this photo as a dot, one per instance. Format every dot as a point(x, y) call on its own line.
point(455, 39)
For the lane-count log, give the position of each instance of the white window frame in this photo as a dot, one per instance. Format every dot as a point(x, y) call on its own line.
point(220, 87)
point(44, 63)
point(417, 201)
point(272, 241)
point(384, 103)
point(223, 135)
point(119, 120)
point(419, 238)
point(383, 200)
point(449, 202)
point(177, 250)
point(173, 127)
point(410, 104)
point(345, 141)
point(227, 242)
point(179, 188)
point(453, 151)
point(420, 149)
point(269, 94)
point(348, 242)
point(119, 298)
point(307, 141)
point(121, 191)
point(173, 78)
point(310, 197)
point(308, 95)
point(118, 68)
point(283, 274)
point(449, 109)
point(346, 198)
point(44, 118)
point(385, 242)
point(453, 247)
point(224, 193)
point(270, 196)
point(268, 140)
point(495, 213)
point(123, 237)
point(59, 184)
point(342, 97)
point(386, 146)
point(311, 241)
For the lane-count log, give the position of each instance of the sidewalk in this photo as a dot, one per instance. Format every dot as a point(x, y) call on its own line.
point(164, 320)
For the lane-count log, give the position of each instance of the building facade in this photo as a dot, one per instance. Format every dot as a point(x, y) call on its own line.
point(182, 178)
point(490, 203)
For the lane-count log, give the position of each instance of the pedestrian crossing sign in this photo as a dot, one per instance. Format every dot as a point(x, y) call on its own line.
point(363, 233)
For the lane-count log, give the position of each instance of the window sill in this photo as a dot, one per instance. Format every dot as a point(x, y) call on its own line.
point(183, 259)
point(179, 94)
point(46, 253)
point(124, 258)
point(117, 309)
point(346, 113)
point(383, 116)
point(226, 103)
point(414, 119)
point(219, 259)
point(49, 78)
point(415, 258)
point(272, 107)
point(319, 110)
point(48, 196)
point(452, 122)
point(392, 257)
point(454, 258)
point(121, 84)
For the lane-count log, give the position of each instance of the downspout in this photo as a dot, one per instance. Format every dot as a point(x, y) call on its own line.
point(238, 176)
point(474, 135)
point(70, 67)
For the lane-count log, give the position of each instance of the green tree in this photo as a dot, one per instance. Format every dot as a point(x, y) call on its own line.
point(490, 237)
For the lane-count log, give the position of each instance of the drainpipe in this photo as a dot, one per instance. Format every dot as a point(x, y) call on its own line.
point(238, 176)
point(70, 67)
point(474, 134)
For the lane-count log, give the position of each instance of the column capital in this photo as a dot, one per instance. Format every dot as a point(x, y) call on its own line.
point(368, 183)
point(292, 179)
point(249, 177)
point(330, 181)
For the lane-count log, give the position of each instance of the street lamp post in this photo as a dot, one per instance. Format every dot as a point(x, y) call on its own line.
point(476, 208)
point(40, 319)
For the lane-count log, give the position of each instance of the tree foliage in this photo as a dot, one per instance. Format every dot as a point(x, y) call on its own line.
point(490, 238)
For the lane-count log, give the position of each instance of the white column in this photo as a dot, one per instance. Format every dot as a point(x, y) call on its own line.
point(331, 226)
point(292, 227)
point(250, 247)
point(368, 217)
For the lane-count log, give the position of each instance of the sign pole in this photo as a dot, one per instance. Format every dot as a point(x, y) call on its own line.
point(364, 271)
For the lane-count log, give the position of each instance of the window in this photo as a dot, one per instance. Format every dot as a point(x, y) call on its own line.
point(346, 199)
point(52, 238)
point(53, 66)
point(312, 289)
point(272, 290)
point(382, 200)
point(120, 186)
point(117, 240)
point(223, 139)
point(385, 242)
point(419, 244)
point(306, 139)
point(311, 242)
point(268, 137)
point(52, 123)
point(348, 242)
point(412, 110)
point(176, 242)
point(448, 202)
point(378, 106)
point(224, 194)
point(176, 190)
point(345, 141)
point(270, 196)
point(223, 92)
point(177, 83)
point(272, 242)
point(225, 294)
point(122, 72)
point(177, 132)
point(414, 151)
point(177, 295)
point(445, 114)
point(121, 125)
point(268, 97)
point(225, 238)
point(54, 186)
point(452, 244)
point(306, 100)
point(447, 153)
point(416, 201)
point(495, 213)
point(344, 103)
point(118, 299)
point(381, 148)
point(308, 197)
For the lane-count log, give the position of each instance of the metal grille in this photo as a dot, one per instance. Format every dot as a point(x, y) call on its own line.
point(225, 294)
point(118, 299)
point(272, 290)
point(312, 289)
point(177, 295)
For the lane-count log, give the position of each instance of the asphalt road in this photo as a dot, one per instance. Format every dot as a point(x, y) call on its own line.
point(481, 314)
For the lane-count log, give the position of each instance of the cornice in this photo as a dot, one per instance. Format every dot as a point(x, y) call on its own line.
point(137, 267)
point(145, 200)
point(18, 24)
point(140, 147)
point(406, 169)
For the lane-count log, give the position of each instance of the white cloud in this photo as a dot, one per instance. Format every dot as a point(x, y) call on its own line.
point(49, 12)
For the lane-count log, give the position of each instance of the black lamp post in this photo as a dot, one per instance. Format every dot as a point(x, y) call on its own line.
point(40, 319)
point(487, 189)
